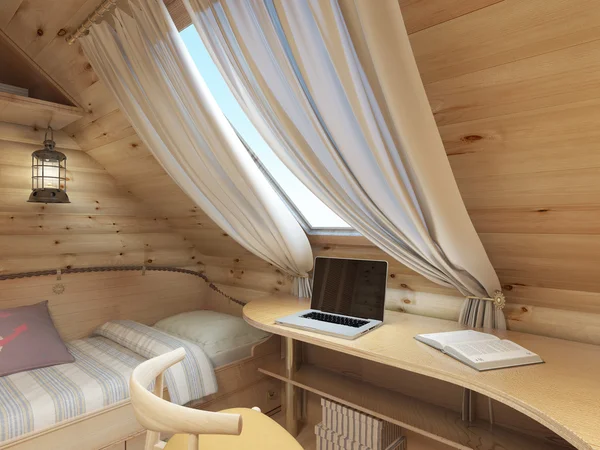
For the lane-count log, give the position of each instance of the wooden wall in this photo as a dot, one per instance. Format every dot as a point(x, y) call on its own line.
point(85, 301)
point(514, 89)
point(103, 225)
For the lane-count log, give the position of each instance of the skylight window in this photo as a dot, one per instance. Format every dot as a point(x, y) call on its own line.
point(312, 213)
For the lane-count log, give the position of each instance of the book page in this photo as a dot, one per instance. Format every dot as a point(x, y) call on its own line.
point(452, 337)
point(490, 350)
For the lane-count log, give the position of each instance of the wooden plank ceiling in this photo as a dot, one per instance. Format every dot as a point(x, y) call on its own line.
point(515, 89)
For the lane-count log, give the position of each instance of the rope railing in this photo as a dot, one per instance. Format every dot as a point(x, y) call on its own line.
point(41, 273)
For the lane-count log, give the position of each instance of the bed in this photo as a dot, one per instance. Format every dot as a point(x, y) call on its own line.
point(48, 405)
point(36, 399)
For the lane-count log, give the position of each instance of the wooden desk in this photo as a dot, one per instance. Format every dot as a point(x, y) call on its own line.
point(563, 394)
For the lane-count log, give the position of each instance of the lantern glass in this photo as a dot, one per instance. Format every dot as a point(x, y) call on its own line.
point(48, 175)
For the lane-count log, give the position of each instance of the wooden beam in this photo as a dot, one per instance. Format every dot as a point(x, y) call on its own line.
point(36, 113)
point(32, 135)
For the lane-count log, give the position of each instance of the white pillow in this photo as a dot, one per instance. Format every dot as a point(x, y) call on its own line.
point(215, 332)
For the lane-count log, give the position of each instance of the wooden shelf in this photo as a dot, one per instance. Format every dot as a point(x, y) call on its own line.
point(432, 421)
point(36, 113)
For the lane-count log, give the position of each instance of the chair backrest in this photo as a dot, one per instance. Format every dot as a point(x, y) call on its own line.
point(158, 415)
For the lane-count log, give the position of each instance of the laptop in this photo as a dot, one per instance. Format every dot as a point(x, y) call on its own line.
point(348, 298)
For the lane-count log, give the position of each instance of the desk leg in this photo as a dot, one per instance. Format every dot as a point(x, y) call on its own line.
point(292, 362)
point(467, 413)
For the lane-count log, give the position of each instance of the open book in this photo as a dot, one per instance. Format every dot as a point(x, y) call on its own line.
point(481, 351)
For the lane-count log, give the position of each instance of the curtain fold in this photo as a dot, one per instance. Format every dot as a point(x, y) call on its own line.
point(334, 89)
point(143, 61)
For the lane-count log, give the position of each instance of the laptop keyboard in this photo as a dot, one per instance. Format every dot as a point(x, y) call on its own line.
point(323, 317)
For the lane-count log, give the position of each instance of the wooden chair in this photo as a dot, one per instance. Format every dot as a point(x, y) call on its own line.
point(236, 428)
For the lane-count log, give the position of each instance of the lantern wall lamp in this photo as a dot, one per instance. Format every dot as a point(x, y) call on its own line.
point(48, 173)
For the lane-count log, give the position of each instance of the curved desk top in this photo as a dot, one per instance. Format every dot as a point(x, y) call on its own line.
point(563, 394)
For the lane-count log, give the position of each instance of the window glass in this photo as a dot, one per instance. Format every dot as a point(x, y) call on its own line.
point(311, 209)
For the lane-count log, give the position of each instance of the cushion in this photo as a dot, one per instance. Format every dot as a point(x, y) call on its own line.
point(215, 332)
point(28, 340)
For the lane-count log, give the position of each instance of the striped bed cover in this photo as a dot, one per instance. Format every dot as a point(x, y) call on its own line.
point(189, 380)
point(40, 398)
point(36, 399)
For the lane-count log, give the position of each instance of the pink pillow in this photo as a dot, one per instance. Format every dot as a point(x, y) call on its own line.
point(28, 340)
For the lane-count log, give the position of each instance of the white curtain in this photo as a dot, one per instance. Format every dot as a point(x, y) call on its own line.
point(334, 89)
point(146, 65)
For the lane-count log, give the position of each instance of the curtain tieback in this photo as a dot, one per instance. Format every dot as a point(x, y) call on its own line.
point(499, 300)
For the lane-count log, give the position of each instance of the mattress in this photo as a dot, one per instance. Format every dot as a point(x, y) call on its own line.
point(233, 353)
point(224, 338)
point(36, 399)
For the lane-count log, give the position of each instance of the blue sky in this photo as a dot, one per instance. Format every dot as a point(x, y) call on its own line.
point(317, 214)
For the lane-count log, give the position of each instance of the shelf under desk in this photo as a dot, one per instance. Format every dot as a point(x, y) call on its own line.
point(562, 394)
point(430, 420)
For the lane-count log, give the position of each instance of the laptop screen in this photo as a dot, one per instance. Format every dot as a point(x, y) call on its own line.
point(351, 287)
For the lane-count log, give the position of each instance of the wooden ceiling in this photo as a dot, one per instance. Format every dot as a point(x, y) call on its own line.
point(18, 70)
point(515, 89)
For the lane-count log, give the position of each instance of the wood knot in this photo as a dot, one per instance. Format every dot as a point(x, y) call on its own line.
point(471, 138)
point(543, 210)
point(392, 275)
point(121, 254)
point(87, 67)
point(69, 267)
point(58, 288)
point(404, 286)
point(56, 242)
point(236, 260)
point(149, 261)
point(507, 287)
point(61, 32)
point(40, 32)
point(134, 145)
point(326, 248)
point(193, 257)
point(405, 300)
point(524, 309)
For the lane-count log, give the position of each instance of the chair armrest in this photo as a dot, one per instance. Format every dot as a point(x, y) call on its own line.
point(157, 414)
